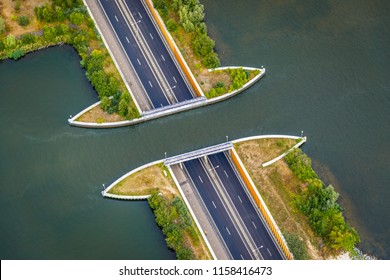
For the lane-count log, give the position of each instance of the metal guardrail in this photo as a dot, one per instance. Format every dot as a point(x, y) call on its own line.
point(198, 153)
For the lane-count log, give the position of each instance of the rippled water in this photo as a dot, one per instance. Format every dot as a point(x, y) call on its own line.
point(327, 74)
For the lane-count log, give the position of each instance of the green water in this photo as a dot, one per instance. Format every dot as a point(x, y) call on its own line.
point(327, 74)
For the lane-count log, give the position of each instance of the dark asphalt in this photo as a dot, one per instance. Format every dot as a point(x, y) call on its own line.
point(218, 212)
point(245, 207)
point(137, 59)
point(163, 57)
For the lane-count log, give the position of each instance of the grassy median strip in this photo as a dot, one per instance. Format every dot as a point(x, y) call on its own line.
point(182, 234)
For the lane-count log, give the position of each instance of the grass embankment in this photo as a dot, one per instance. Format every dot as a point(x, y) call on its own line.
point(182, 234)
point(185, 23)
point(284, 192)
point(27, 26)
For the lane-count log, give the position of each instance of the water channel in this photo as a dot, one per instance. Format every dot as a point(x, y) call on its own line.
point(327, 74)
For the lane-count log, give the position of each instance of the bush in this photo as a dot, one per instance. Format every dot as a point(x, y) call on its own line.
point(23, 21)
point(171, 25)
point(10, 41)
point(319, 204)
point(28, 39)
point(300, 164)
point(76, 18)
point(16, 54)
point(173, 218)
point(211, 60)
point(106, 103)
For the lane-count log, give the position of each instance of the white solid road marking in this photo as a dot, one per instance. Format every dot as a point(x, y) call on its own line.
point(242, 257)
point(116, 19)
point(269, 252)
point(226, 173)
point(139, 62)
point(239, 198)
point(139, 14)
point(254, 225)
point(152, 86)
point(214, 204)
point(127, 39)
point(228, 230)
point(162, 57)
point(200, 179)
point(151, 36)
point(174, 80)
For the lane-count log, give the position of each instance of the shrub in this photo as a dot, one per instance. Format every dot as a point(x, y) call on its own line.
point(16, 54)
point(171, 25)
point(106, 103)
point(28, 39)
point(23, 21)
point(76, 18)
point(300, 164)
point(10, 41)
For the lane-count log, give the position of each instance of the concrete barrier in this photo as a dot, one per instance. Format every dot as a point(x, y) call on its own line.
point(260, 204)
point(285, 154)
point(127, 197)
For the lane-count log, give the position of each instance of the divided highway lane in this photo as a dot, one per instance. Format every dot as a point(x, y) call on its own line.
point(134, 53)
point(218, 212)
point(172, 75)
point(245, 207)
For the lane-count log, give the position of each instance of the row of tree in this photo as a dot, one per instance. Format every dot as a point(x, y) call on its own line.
point(319, 204)
point(173, 218)
point(191, 15)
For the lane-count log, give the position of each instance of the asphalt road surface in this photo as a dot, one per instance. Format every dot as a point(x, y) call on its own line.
point(248, 213)
point(226, 227)
point(124, 30)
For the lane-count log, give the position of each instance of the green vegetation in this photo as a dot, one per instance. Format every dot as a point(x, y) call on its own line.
point(319, 204)
point(23, 20)
point(297, 246)
point(188, 15)
point(238, 77)
point(173, 218)
point(67, 21)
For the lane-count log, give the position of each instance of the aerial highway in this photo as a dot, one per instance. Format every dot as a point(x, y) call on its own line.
point(226, 227)
point(239, 223)
point(258, 230)
point(146, 51)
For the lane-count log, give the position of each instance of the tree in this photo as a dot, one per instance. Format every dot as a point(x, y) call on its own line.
point(171, 25)
point(76, 18)
point(10, 41)
point(122, 108)
point(203, 45)
point(105, 103)
point(2, 26)
point(28, 39)
point(211, 60)
point(49, 33)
